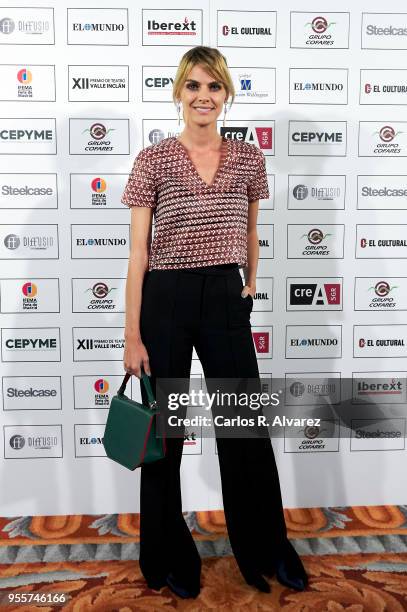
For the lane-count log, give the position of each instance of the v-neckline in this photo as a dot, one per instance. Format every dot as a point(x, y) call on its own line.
point(224, 156)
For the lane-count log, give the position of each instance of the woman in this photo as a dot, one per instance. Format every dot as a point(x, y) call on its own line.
point(185, 290)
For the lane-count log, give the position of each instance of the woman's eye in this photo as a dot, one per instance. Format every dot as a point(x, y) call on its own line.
point(216, 86)
point(192, 86)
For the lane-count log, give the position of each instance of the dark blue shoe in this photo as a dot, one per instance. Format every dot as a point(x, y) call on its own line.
point(156, 585)
point(179, 589)
point(259, 582)
point(291, 578)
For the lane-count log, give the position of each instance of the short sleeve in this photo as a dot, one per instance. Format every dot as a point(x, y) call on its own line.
point(257, 187)
point(140, 189)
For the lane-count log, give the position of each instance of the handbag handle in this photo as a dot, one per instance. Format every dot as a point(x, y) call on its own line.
point(146, 381)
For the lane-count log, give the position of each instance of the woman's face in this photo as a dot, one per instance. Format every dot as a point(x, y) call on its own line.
point(202, 97)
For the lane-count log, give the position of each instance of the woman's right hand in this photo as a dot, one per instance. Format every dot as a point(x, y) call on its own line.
point(135, 357)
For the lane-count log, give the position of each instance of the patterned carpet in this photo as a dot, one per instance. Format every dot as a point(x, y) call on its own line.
point(356, 559)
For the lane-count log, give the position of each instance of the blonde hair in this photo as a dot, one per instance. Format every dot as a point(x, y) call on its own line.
point(212, 61)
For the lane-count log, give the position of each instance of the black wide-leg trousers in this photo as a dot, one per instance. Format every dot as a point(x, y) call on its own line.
point(203, 308)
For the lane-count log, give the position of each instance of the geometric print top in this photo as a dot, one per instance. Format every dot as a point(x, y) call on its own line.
point(197, 224)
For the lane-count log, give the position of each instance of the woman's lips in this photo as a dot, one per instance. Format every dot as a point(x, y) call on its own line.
point(203, 110)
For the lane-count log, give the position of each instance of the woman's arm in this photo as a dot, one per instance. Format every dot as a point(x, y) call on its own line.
point(135, 353)
point(250, 271)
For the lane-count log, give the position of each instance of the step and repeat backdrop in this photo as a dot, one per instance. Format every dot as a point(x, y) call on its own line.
point(323, 93)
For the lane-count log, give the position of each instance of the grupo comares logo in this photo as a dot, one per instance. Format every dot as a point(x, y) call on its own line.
point(98, 26)
point(382, 192)
point(319, 31)
point(382, 139)
point(314, 293)
point(97, 190)
point(246, 28)
point(313, 438)
point(98, 343)
point(378, 434)
point(378, 293)
point(26, 26)
point(98, 83)
point(380, 86)
point(315, 242)
point(27, 82)
point(316, 191)
point(32, 441)
point(32, 393)
point(318, 85)
point(325, 138)
point(25, 190)
point(99, 137)
point(28, 136)
point(381, 241)
point(388, 340)
point(313, 341)
point(98, 295)
point(30, 344)
point(172, 27)
point(384, 30)
point(379, 387)
point(29, 295)
point(92, 392)
point(100, 241)
point(29, 242)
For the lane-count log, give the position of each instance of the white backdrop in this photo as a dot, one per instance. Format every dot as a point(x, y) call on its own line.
point(96, 96)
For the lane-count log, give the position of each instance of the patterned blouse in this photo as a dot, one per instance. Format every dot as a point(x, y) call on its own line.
point(197, 224)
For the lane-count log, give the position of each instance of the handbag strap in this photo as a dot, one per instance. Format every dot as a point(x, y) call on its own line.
point(146, 381)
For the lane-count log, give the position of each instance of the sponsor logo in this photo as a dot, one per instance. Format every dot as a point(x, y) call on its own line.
point(369, 434)
point(247, 28)
point(329, 140)
point(314, 295)
point(380, 294)
point(316, 31)
point(380, 340)
point(32, 441)
point(87, 26)
point(28, 191)
point(31, 393)
point(174, 27)
point(313, 341)
point(262, 136)
point(254, 85)
point(381, 240)
point(376, 387)
point(88, 137)
point(27, 136)
point(98, 343)
point(384, 31)
point(30, 344)
point(382, 139)
point(98, 83)
point(28, 243)
point(110, 241)
point(27, 26)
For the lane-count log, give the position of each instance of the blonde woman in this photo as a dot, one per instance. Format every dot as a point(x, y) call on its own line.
point(184, 290)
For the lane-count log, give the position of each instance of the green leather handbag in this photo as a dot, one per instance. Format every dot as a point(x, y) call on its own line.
point(130, 433)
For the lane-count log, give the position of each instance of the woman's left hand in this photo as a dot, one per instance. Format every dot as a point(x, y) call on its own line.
point(248, 290)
